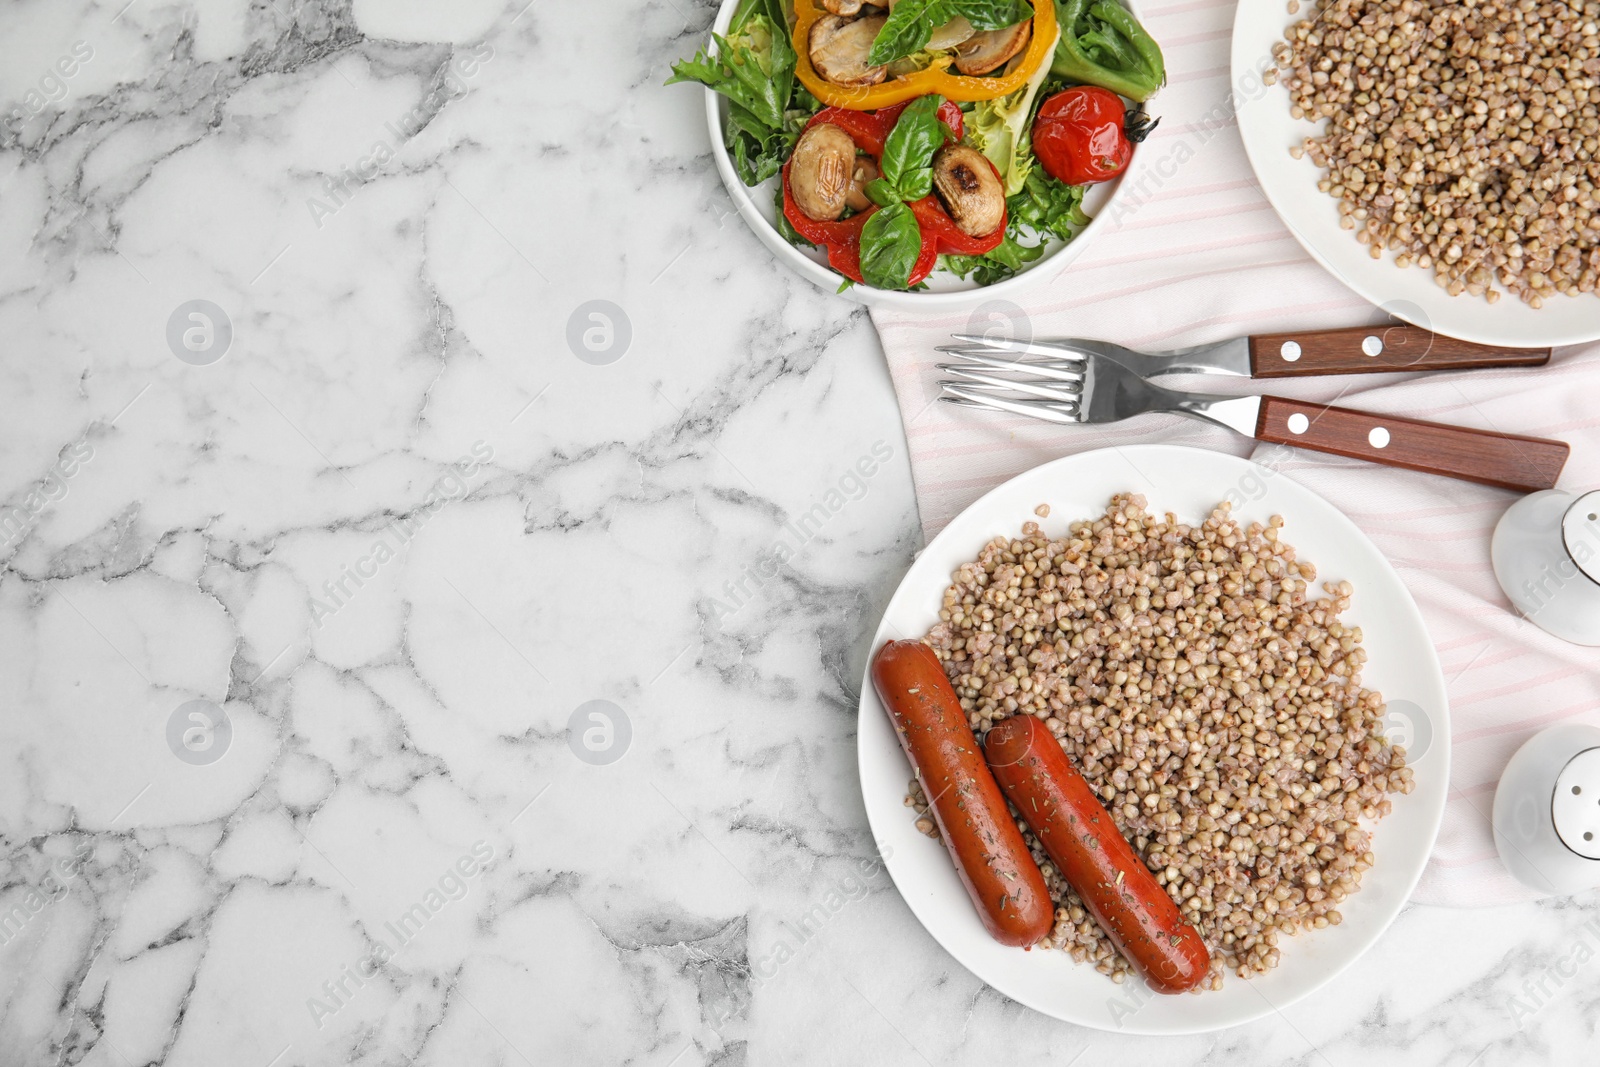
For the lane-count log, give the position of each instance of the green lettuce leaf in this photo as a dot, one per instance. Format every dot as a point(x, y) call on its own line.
point(1047, 207)
point(1002, 130)
point(754, 68)
point(1004, 261)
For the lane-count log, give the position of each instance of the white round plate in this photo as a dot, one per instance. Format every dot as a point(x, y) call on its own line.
point(1312, 216)
point(757, 206)
point(1189, 482)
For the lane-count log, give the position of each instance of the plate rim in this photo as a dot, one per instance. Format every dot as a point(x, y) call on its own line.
point(1250, 132)
point(867, 703)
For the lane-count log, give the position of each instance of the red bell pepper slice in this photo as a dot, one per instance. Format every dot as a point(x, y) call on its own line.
point(940, 229)
point(842, 239)
point(871, 128)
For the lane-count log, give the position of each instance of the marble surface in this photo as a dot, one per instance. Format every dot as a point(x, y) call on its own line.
point(307, 591)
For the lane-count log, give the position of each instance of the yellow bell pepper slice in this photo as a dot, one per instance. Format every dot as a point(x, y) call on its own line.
point(921, 83)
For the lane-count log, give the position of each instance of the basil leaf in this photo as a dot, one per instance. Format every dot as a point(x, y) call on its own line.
point(907, 158)
point(890, 245)
point(911, 24)
point(991, 14)
point(918, 184)
point(882, 192)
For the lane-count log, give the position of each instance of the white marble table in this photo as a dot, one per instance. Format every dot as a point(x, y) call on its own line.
point(303, 600)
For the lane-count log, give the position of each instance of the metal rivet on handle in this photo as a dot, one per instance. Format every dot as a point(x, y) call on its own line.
point(1298, 423)
point(1373, 345)
point(1290, 351)
point(1378, 438)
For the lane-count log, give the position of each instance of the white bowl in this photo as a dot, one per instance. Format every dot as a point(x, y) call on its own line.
point(945, 292)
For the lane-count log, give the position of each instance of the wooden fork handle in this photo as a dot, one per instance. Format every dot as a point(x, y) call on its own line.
point(1369, 349)
point(1509, 461)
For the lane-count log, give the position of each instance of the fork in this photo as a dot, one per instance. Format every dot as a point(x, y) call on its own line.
point(1087, 388)
point(1347, 350)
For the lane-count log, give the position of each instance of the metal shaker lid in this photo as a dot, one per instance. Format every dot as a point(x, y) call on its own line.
point(1580, 531)
point(1575, 806)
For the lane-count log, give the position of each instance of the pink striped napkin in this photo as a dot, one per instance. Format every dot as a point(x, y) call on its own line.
point(1203, 258)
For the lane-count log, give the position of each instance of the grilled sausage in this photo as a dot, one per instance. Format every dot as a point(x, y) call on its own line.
point(1090, 852)
point(993, 860)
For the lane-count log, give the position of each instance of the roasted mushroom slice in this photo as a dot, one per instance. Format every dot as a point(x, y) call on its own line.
point(986, 51)
point(820, 171)
point(866, 171)
point(969, 189)
point(843, 7)
point(839, 49)
point(951, 34)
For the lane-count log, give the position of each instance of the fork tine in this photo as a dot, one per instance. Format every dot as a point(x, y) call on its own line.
point(1048, 390)
point(1057, 370)
point(1071, 374)
point(1055, 348)
point(1011, 344)
point(1005, 344)
point(1050, 353)
point(979, 352)
point(1048, 410)
point(992, 392)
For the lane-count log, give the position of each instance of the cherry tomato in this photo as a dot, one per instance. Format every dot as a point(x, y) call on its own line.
point(1080, 135)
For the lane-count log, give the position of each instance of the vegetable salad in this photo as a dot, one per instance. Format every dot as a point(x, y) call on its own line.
point(915, 135)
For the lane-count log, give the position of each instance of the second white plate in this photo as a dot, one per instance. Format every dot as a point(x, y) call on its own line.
point(1403, 666)
point(1312, 216)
